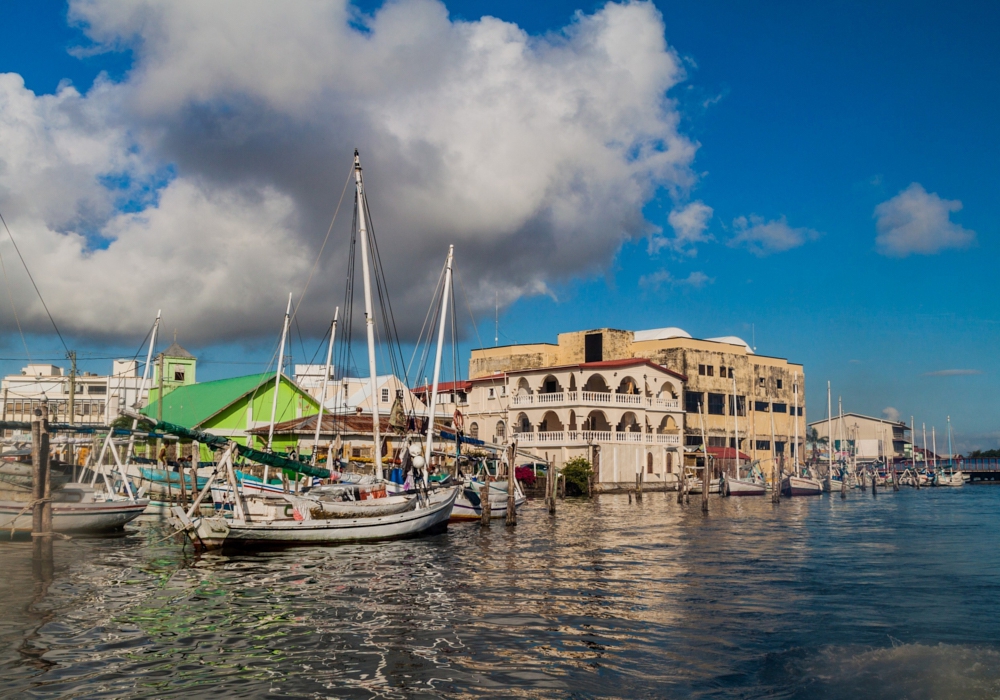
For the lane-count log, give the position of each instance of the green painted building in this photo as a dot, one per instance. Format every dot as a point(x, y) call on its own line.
point(178, 368)
point(232, 407)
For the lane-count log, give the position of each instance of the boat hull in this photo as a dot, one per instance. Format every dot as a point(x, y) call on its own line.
point(468, 506)
point(953, 479)
point(222, 532)
point(92, 518)
point(801, 486)
point(744, 487)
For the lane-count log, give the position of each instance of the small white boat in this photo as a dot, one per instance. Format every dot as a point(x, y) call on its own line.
point(801, 486)
point(468, 505)
point(76, 508)
point(949, 478)
point(367, 508)
point(694, 485)
point(274, 526)
point(745, 487)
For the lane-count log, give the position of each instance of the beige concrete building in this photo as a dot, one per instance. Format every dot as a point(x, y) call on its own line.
point(623, 415)
point(766, 388)
point(867, 437)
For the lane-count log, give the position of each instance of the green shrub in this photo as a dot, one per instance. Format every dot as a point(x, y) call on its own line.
point(577, 472)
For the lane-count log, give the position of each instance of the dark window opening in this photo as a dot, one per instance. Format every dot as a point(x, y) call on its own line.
point(717, 404)
point(780, 383)
point(692, 440)
point(760, 381)
point(716, 442)
point(178, 375)
point(711, 370)
point(701, 370)
point(741, 406)
point(760, 406)
point(593, 347)
point(692, 401)
point(779, 407)
point(779, 448)
point(763, 444)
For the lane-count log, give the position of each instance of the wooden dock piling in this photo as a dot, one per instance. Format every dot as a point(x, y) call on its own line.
point(41, 511)
point(484, 504)
point(512, 487)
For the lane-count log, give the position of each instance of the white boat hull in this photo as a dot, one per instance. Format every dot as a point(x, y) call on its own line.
point(219, 531)
point(801, 486)
point(467, 508)
point(694, 486)
point(745, 487)
point(953, 479)
point(93, 518)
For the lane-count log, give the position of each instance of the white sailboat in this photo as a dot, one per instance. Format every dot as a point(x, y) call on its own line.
point(949, 476)
point(799, 482)
point(752, 483)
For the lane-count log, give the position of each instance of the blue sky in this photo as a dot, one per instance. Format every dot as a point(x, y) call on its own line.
point(809, 114)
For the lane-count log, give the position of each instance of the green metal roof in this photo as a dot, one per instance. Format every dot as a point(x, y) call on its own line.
point(190, 405)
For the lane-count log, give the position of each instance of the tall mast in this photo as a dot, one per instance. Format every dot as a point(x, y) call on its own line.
point(950, 463)
point(795, 415)
point(840, 423)
point(277, 375)
point(934, 447)
point(829, 432)
point(736, 426)
point(326, 381)
point(142, 386)
point(369, 318)
point(923, 428)
point(437, 366)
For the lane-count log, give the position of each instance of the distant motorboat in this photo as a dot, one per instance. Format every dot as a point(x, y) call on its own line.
point(949, 478)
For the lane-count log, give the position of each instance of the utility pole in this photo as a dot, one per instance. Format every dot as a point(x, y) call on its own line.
point(71, 419)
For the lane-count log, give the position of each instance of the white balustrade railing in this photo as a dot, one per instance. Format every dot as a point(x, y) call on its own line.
point(628, 399)
point(595, 396)
point(591, 436)
point(598, 397)
point(523, 399)
point(557, 397)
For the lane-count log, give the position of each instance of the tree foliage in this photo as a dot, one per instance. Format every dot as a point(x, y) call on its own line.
point(577, 473)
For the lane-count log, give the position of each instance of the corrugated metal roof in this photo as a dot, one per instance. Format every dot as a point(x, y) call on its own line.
point(192, 404)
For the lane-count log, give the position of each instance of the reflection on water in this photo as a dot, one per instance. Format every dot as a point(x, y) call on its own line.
point(884, 597)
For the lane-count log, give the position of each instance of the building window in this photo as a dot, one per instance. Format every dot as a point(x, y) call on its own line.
point(779, 407)
point(474, 431)
point(763, 444)
point(779, 448)
point(385, 395)
point(501, 431)
point(760, 381)
point(701, 370)
point(692, 401)
point(692, 440)
point(716, 442)
point(780, 384)
point(399, 394)
point(760, 406)
point(86, 409)
point(741, 405)
point(593, 347)
point(722, 372)
point(491, 393)
point(717, 404)
point(711, 370)
point(97, 389)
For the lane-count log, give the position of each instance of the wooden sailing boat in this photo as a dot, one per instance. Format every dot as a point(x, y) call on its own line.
point(949, 476)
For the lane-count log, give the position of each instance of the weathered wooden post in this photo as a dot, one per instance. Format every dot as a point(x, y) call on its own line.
point(512, 487)
point(41, 511)
point(843, 483)
point(552, 483)
point(484, 503)
point(638, 488)
point(776, 466)
point(195, 461)
point(182, 475)
point(874, 485)
point(895, 476)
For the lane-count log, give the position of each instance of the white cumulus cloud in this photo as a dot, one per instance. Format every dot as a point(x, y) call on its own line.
point(204, 181)
point(690, 223)
point(762, 237)
point(663, 278)
point(890, 413)
point(916, 221)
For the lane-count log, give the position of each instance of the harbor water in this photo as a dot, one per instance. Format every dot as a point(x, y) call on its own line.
point(891, 596)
